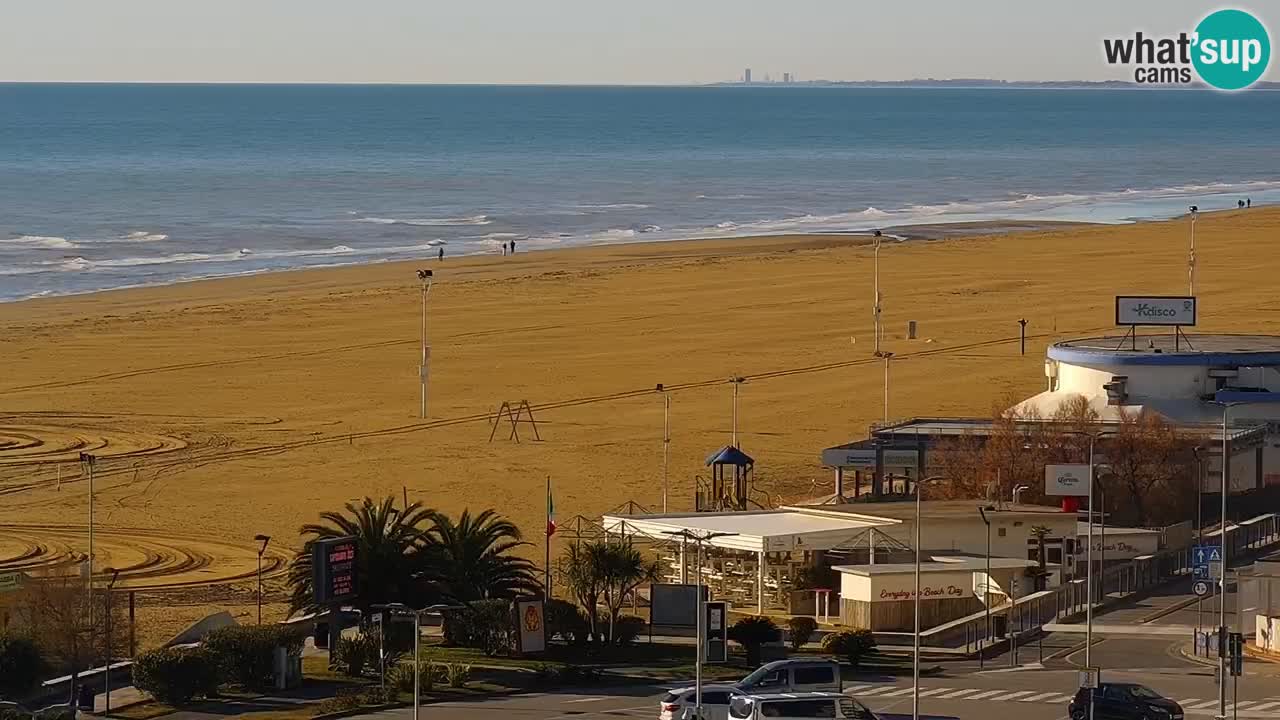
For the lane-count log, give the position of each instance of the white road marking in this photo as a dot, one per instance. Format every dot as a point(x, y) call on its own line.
point(986, 694)
point(1042, 697)
point(895, 693)
point(588, 699)
point(1013, 695)
point(933, 691)
point(1202, 706)
point(957, 694)
point(878, 690)
point(1265, 706)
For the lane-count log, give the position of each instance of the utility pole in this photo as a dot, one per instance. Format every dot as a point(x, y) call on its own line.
point(887, 356)
point(699, 624)
point(666, 441)
point(876, 288)
point(1022, 334)
point(264, 539)
point(736, 380)
point(87, 464)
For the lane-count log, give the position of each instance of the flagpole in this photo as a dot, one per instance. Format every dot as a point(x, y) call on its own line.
point(546, 588)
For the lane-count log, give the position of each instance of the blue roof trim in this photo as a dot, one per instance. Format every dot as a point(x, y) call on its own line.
point(1092, 356)
point(1244, 396)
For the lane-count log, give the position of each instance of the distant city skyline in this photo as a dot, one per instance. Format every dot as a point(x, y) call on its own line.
point(575, 41)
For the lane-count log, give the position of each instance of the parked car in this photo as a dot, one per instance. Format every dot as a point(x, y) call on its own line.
point(798, 706)
point(1124, 701)
point(814, 675)
point(678, 703)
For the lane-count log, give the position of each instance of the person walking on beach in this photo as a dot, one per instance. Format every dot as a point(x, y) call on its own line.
point(1240, 204)
point(1248, 202)
point(504, 248)
point(440, 256)
point(513, 247)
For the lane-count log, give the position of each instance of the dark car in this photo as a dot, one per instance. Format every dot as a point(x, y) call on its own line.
point(1124, 701)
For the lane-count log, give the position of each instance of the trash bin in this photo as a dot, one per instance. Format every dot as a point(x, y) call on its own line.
point(84, 698)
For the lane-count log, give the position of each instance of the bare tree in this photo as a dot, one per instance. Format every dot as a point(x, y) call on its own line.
point(1149, 471)
point(55, 612)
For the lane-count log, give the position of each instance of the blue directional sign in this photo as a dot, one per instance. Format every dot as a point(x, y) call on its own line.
point(1205, 554)
point(1200, 571)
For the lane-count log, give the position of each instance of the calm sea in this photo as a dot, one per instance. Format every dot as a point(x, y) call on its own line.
point(107, 186)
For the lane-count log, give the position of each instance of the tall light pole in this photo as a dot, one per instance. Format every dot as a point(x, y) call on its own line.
point(1088, 606)
point(1222, 544)
point(986, 588)
point(106, 670)
point(423, 369)
point(888, 356)
point(736, 380)
point(915, 638)
point(876, 289)
point(88, 463)
point(264, 539)
point(1191, 257)
point(699, 629)
point(666, 440)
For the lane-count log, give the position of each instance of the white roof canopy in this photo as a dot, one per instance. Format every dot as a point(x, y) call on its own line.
point(758, 531)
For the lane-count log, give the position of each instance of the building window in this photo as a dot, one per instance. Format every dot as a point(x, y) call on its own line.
point(1055, 556)
point(1001, 532)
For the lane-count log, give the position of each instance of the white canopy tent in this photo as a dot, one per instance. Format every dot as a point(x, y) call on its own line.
point(758, 532)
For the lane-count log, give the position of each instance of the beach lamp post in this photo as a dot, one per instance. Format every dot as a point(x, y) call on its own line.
point(700, 620)
point(875, 310)
point(887, 357)
point(986, 583)
point(425, 277)
point(88, 463)
point(1194, 212)
point(666, 439)
point(736, 380)
point(915, 640)
point(264, 539)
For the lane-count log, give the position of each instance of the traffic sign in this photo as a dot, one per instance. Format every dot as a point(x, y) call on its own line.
point(1215, 570)
point(1200, 588)
point(1201, 554)
point(1200, 571)
point(1089, 678)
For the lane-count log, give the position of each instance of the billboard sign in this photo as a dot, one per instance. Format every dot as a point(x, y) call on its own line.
point(533, 635)
point(1072, 480)
point(675, 605)
point(717, 635)
point(1156, 310)
point(901, 458)
point(333, 570)
point(861, 458)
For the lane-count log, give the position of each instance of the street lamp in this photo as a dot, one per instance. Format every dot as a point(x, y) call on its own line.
point(699, 629)
point(425, 277)
point(1194, 212)
point(1222, 543)
point(264, 539)
point(417, 631)
point(986, 586)
point(736, 380)
point(666, 439)
point(1088, 606)
point(915, 664)
point(106, 670)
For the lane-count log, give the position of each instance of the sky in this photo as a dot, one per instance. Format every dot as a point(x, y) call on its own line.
point(577, 41)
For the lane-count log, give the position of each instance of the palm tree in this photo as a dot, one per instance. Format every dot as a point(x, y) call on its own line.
point(476, 557)
point(393, 562)
point(605, 571)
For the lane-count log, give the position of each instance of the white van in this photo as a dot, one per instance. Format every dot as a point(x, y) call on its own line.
point(816, 675)
point(798, 706)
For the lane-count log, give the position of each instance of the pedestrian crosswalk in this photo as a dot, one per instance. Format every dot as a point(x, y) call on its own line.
point(1268, 708)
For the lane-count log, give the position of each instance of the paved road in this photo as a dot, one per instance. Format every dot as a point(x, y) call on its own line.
point(1024, 693)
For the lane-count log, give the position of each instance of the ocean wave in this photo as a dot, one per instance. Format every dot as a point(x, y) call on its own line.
point(724, 197)
point(144, 236)
point(49, 242)
point(431, 222)
point(613, 206)
point(873, 211)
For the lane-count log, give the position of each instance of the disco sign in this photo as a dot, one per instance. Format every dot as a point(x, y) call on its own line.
point(333, 570)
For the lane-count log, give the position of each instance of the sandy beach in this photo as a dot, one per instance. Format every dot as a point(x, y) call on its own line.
point(222, 409)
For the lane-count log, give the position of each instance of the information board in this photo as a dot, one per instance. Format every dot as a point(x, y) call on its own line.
point(333, 570)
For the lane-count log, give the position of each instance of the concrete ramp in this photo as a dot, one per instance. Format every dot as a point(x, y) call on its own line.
point(1126, 630)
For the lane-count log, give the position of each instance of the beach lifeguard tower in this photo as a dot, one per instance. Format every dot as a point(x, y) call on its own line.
point(731, 471)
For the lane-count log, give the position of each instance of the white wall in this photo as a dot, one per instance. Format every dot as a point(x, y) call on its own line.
point(970, 535)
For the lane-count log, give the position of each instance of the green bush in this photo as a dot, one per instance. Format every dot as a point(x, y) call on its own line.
point(20, 665)
point(245, 654)
point(457, 674)
point(853, 645)
point(175, 676)
point(354, 654)
point(341, 703)
point(566, 621)
point(799, 630)
point(402, 676)
point(753, 632)
point(627, 628)
point(484, 624)
point(55, 712)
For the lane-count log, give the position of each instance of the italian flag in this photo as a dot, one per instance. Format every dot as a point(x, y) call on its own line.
point(551, 511)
